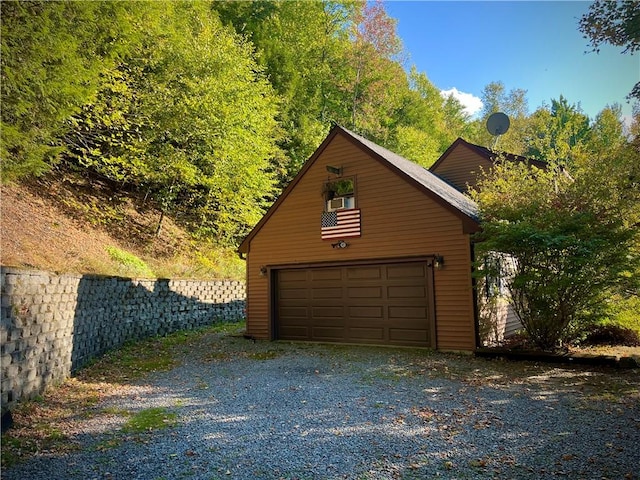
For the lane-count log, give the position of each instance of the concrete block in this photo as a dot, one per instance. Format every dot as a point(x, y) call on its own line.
point(12, 370)
point(5, 360)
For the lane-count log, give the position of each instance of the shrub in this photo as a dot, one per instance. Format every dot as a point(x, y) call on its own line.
point(612, 334)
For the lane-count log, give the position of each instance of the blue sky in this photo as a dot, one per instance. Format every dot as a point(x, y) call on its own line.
point(532, 45)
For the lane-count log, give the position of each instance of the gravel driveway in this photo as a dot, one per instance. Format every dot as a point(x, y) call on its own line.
point(299, 411)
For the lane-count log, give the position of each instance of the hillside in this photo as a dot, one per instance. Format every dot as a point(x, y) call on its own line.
point(66, 224)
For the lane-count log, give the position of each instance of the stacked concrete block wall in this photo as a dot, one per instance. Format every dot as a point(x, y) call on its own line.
point(52, 325)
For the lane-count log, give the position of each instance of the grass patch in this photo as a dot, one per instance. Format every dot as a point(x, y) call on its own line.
point(109, 444)
point(150, 419)
point(131, 362)
point(129, 263)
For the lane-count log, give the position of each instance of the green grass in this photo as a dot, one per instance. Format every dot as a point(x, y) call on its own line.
point(150, 419)
point(129, 263)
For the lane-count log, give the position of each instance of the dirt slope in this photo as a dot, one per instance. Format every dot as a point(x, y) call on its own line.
point(38, 234)
point(66, 224)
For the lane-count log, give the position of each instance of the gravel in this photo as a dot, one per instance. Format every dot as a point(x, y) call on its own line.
point(250, 410)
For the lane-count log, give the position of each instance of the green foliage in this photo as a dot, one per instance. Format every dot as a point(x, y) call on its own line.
point(222, 263)
point(338, 188)
point(53, 54)
point(572, 240)
point(131, 265)
point(625, 311)
point(190, 120)
point(302, 47)
point(427, 122)
point(557, 133)
point(607, 131)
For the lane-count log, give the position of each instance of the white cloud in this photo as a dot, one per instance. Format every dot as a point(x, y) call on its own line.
point(471, 103)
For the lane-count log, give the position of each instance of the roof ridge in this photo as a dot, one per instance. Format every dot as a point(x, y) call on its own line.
point(423, 176)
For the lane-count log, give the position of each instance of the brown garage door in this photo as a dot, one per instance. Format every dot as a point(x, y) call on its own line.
point(377, 304)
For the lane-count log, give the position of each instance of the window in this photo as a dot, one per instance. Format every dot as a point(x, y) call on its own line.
point(339, 194)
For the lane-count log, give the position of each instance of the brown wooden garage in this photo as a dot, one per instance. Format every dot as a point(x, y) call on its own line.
point(345, 253)
point(387, 303)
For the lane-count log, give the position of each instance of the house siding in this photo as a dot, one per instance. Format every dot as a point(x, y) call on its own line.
point(398, 221)
point(462, 168)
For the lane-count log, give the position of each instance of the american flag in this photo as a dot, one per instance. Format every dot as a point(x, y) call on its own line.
point(340, 224)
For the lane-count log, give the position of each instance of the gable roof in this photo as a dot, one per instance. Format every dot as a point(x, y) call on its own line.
point(432, 185)
point(487, 154)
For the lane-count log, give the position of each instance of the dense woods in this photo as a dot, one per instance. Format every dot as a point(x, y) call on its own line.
point(207, 109)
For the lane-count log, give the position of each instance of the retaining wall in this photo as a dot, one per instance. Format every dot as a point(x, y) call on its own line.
point(51, 325)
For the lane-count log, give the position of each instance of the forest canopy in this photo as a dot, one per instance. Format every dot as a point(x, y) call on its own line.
point(209, 108)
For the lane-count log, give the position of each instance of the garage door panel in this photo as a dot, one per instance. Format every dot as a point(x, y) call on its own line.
point(366, 311)
point(384, 303)
point(408, 337)
point(328, 312)
point(407, 291)
point(326, 274)
point(327, 293)
point(407, 334)
point(294, 332)
point(409, 270)
point(329, 334)
point(330, 322)
point(402, 312)
point(364, 273)
point(365, 322)
point(291, 293)
point(364, 292)
point(294, 312)
point(366, 334)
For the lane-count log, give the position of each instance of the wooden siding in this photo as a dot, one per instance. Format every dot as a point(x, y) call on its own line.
point(398, 221)
point(462, 168)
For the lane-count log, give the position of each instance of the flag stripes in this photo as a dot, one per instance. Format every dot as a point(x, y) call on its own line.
point(340, 224)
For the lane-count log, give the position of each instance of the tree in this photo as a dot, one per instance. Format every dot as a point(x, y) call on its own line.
point(302, 47)
point(53, 56)
point(190, 118)
point(557, 133)
point(614, 22)
point(607, 131)
point(375, 79)
point(569, 242)
point(427, 123)
point(514, 103)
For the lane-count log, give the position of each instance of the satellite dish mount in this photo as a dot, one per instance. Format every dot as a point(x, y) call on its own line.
point(497, 124)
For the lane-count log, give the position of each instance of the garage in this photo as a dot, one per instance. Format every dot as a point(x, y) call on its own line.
point(388, 303)
point(345, 253)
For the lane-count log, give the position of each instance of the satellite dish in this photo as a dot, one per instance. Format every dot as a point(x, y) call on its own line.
point(498, 123)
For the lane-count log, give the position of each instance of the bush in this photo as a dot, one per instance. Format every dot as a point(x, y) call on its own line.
point(612, 334)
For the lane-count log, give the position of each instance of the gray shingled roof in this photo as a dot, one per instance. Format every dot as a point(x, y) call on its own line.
point(423, 176)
